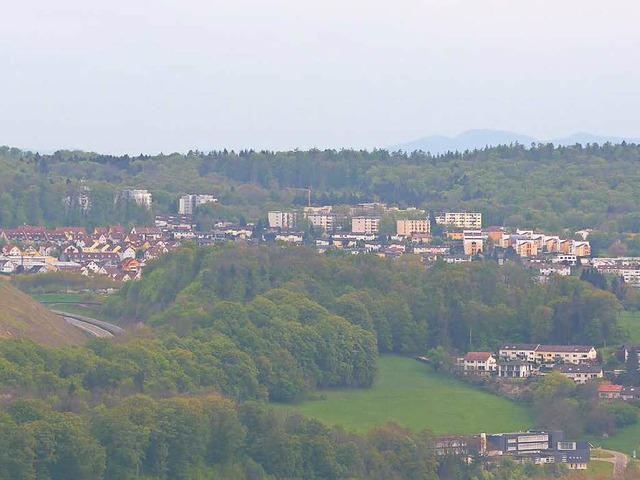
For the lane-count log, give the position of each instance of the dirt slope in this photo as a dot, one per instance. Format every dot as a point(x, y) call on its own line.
point(23, 317)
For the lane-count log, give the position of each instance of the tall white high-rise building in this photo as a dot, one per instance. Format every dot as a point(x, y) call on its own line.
point(282, 220)
point(188, 203)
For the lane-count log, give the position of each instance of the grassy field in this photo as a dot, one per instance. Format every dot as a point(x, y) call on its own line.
point(631, 321)
point(411, 394)
point(23, 317)
point(597, 469)
point(600, 454)
point(66, 297)
point(80, 310)
point(625, 440)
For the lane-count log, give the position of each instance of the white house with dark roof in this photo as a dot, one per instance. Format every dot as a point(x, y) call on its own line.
point(580, 373)
point(519, 351)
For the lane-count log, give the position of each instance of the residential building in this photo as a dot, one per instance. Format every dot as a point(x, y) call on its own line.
point(187, 204)
point(473, 242)
point(141, 197)
point(630, 393)
point(368, 224)
point(560, 270)
point(569, 259)
point(575, 354)
point(457, 258)
point(519, 351)
point(536, 353)
point(481, 363)
point(581, 249)
point(629, 275)
point(526, 248)
point(609, 392)
point(317, 210)
point(282, 220)
point(327, 221)
point(514, 369)
point(455, 236)
point(290, 237)
point(623, 352)
point(147, 233)
point(410, 227)
point(580, 373)
point(460, 219)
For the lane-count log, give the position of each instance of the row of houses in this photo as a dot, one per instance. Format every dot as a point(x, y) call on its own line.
point(608, 391)
point(485, 363)
point(110, 251)
point(576, 362)
point(366, 218)
point(626, 267)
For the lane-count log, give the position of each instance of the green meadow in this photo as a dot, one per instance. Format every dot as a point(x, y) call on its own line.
point(625, 440)
point(411, 394)
point(631, 321)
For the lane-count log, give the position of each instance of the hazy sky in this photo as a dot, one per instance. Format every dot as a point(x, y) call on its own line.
point(148, 76)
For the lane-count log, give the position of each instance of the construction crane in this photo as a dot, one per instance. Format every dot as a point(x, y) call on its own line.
point(308, 190)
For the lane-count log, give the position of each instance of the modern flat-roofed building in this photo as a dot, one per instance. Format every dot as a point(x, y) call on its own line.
point(460, 219)
point(327, 221)
point(580, 373)
point(540, 447)
point(368, 224)
point(409, 227)
point(514, 369)
point(282, 220)
point(187, 204)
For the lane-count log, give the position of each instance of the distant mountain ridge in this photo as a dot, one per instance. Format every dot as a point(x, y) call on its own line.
point(472, 139)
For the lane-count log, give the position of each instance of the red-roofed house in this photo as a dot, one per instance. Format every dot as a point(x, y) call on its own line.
point(481, 363)
point(608, 391)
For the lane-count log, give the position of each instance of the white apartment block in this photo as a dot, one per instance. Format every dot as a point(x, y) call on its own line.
point(409, 227)
point(188, 203)
point(282, 220)
point(328, 222)
point(460, 219)
point(365, 224)
point(141, 197)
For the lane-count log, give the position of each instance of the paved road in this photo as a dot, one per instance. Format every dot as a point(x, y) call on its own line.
point(110, 327)
point(619, 460)
point(87, 327)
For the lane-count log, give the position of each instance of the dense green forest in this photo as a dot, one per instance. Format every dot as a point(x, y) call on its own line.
point(541, 186)
point(226, 329)
point(408, 307)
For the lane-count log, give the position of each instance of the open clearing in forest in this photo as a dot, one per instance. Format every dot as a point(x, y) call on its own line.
point(411, 394)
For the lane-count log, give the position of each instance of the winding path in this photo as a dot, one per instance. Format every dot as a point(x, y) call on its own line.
point(619, 460)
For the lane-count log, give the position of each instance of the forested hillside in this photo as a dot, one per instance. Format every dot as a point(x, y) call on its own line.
point(542, 186)
point(409, 308)
point(235, 327)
